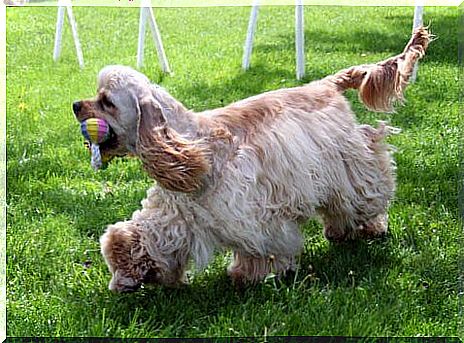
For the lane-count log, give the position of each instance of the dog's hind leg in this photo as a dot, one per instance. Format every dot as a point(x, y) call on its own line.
point(358, 209)
point(339, 228)
point(345, 211)
point(384, 186)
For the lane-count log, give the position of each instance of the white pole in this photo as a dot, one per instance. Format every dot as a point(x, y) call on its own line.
point(141, 43)
point(77, 44)
point(299, 40)
point(2, 173)
point(158, 43)
point(418, 14)
point(250, 34)
point(58, 33)
point(62, 6)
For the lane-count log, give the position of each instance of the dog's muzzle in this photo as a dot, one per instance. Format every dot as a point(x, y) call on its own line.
point(126, 289)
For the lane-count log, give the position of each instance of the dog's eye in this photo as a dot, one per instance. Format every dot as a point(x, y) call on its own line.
point(106, 102)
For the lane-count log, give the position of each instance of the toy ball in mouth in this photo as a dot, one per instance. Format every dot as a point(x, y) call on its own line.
point(96, 131)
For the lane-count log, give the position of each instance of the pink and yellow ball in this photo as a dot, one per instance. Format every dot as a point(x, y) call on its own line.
point(95, 130)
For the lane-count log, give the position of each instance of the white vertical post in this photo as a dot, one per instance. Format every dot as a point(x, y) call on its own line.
point(418, 14)
point(158, 42)
point(77, 44)
point(250, 34)
point(299, 39)
point(58, 33)
point(141, 42)
point(62, 6)
point(146, 13)
point(3, 189)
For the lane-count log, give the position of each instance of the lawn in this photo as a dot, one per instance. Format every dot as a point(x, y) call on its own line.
point(57, 206)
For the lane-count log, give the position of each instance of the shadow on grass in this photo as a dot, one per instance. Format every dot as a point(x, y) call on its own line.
point(88, 202)
point(258, 79)
point(92, 214)
point(429, 186)
point(213, 296)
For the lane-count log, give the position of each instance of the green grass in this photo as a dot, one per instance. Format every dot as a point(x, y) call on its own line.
point(403, 285)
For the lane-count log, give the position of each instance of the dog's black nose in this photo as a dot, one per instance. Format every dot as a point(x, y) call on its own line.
point(76, 107)
point(129, 289)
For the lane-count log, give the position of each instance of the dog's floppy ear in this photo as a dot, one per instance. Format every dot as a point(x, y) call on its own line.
point(176, 163)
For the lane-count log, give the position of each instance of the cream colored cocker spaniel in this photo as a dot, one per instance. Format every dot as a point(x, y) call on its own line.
point(244, 176)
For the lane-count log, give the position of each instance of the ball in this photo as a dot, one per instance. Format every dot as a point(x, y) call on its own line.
point(95, 130)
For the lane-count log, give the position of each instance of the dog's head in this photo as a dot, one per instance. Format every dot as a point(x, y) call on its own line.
point(117, 99)
point(132, 261)
point(146, 121)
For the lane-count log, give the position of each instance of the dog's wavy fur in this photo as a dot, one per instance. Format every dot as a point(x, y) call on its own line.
point(243, 177)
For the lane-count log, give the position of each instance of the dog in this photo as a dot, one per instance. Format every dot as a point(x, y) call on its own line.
point(245, 176)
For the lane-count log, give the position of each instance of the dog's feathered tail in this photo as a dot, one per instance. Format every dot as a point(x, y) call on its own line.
point(381, 84)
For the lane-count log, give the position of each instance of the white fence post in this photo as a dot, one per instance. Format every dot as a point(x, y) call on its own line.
point(146, 13)
point(141, 42)
point(77, 44)
point(299, 39)
point(158, 42)
point(58, 33)
point(62, 6)
point(418, 14)
point(250, 34)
